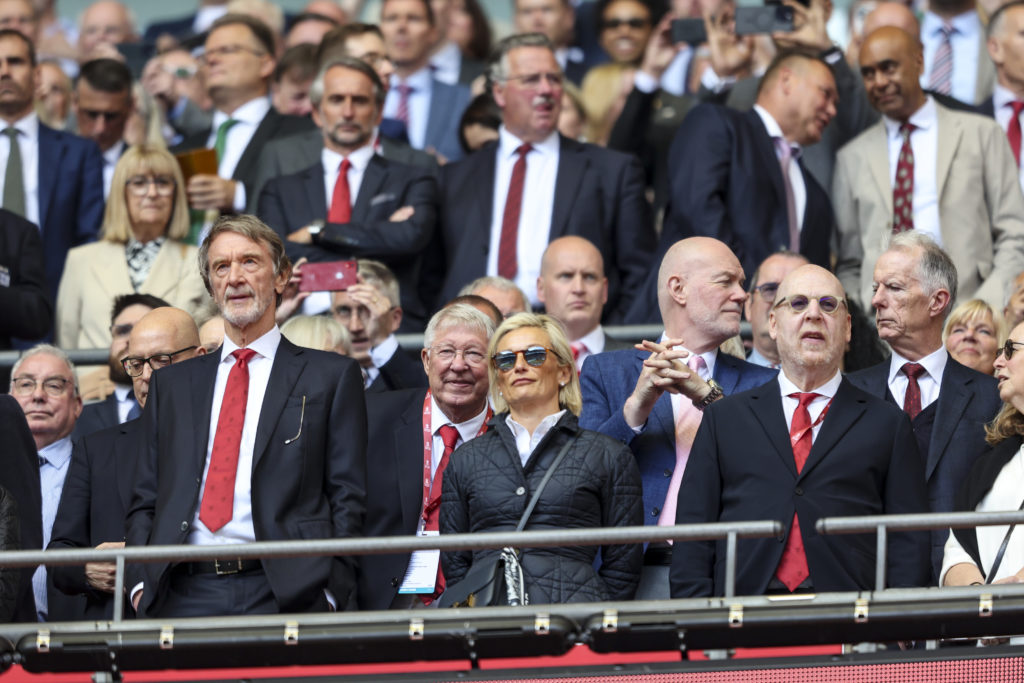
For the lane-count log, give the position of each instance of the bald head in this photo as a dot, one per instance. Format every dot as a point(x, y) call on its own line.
point(800, 93)
point(894, 14)
point(104, 23)
point(891, 62)
point(572, 285)
point(162, 331)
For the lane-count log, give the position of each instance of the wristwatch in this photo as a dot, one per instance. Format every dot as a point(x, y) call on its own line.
point(832, 55)
point(712, 396)
point(314, 229)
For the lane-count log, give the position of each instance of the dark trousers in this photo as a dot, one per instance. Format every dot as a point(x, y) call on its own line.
point(207, 595)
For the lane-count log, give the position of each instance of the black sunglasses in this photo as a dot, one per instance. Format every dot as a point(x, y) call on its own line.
point(1008, 348)
point(800, 302)
point(634, 23)
point(534, 355)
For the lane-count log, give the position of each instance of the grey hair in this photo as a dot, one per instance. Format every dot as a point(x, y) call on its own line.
point(316, 91)
point(502, 284)
point(47, 350)
point(458, 315)
point(498, 68)
point(935, 269)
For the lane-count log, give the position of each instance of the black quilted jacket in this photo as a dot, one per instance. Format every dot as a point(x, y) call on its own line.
point(597, 484)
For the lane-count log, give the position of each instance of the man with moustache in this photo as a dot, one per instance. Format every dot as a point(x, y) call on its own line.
point(924, 167)
point(262, 441)
point(453, 410)
point(805, 446)
point(91, 515)
point(761, 295)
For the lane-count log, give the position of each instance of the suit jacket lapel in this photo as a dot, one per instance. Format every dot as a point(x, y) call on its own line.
point(765, 148)
point(876, 151)
point(51, 149)
point(373, 180)
point(408, 452)
point(111, 270)
point(312, 180)
point(263, 134)
point(165, 275)
point(284, 374)
point(124, 456)
point(949, 133)
point(844, 411)
point(726, 373)
point(765, 403)
point(203, 380)
point(572, 167)
point(952, 401)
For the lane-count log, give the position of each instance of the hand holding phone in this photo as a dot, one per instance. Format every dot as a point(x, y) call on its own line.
point(333, 276)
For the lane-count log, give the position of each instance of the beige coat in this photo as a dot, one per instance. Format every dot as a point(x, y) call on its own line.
point(981, 208)
point(96, 273)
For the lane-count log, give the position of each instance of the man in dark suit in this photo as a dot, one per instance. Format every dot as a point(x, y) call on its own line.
point(805, 446)
point(354, 203)
point(726, 168)
point(562, 188)
point(274, 434)
point(90, 514)
point(55, 179)
point(573, 288)
point(1008, 56)
point(238, 63)
point(26, 310)
point(455, 359)
point(915, 286)
point(648, 400)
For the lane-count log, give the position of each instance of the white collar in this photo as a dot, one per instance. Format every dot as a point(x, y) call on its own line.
point(828, 389)
point(924, 118)
point(252, 113)
point(265, 346)
point(467, 429)
point(508, 143)
point(934, 363)
point(593, 340)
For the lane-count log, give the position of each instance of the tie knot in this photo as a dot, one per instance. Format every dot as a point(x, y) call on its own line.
point(225, 126)
point(577, 347)
point(404, 89)
point(947, 30)
point(1018, 106)
point(42, 461)
point(913, 370)
point(805, 397)
point(906, 129)
point(696, 363)
point(11, 132)
point(242, 356)
point(345, 165)
point(523, 149)
point(450, 436)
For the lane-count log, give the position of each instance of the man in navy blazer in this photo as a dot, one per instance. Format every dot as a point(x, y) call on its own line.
point(915, 285)
point(805, 446)
point(636, 396)
point(725, 168)
point(98, 488)
point(61, 188)
point(569, 188)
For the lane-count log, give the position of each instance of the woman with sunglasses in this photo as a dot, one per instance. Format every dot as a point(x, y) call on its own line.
point(141, 250)
point(994, 554)
point(490, 480)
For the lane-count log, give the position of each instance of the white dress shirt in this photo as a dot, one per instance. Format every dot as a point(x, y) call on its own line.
point(467, 431)
point(593, 342)
point(28, 142)
point(826, 392)
point(446, 63)
point(358, 161)
point(125, 401)
point(526, 442)
point(110, 159)
point(249, 117)
point(537, 205)
point(240, 528)
point(964, 41)
point(796, 176)
point(924, 141)
point(206, 15)
point(1001, 104)
point(930, 381)
point(53, 468)
point(379, 356)
point(422, 84)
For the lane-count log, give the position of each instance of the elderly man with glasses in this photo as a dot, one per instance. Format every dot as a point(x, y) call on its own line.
point(915, 285)
point(804, 446)
point(91, 514)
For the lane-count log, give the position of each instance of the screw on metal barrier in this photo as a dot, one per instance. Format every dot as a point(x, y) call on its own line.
point(860, 611)
point(610, 621)
point(416, 629)
point(985, 605)
point(735, 616)
point(43, 640)
point(166, 637)
point(542, 624)
point(291, 633)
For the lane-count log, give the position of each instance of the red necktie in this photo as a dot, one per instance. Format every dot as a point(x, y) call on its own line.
point(450, 436)
point(912, 399)
point(341, 201)
point(903, 189)
point(793, 569)
point(403, 103)
point(219, 492)
point(1013, 131)
point(507, 258)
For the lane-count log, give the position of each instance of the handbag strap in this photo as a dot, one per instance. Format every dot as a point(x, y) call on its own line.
point(544, 482)
point(1002, 551)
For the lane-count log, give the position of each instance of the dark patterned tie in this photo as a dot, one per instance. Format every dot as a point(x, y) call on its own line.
point(903, 188)
point(912, 400)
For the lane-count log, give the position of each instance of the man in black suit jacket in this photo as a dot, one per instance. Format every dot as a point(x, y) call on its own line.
point(239, 61)
point(955, 402)
point(390, 217)
point(90, 514)
point(725, 175)
point(26, 310)
point(455, 359)
point(589, 191)
point(805, 446)
point(287, 463)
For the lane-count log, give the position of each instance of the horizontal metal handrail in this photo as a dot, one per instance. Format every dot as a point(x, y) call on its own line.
point(916, 522)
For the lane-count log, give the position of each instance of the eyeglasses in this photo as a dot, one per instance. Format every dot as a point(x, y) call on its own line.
point(800, 302)
point(139, 185)
point(135, 366)
point(533, 80)
point(227, 51)
point(26, 386)
point(447, 354)
point(635, 23)
point(534, 356)
point(767, 291)
point(1009, 347)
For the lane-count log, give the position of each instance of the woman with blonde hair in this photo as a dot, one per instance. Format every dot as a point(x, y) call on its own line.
point(973, 333)
point(318, 332)
point(140, 250)
point(591, 480)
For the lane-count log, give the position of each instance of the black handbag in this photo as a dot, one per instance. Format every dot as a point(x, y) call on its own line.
point(499, 580)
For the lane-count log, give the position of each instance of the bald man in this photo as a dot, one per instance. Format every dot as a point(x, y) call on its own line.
point(573, 288)
point(958, 185)
point(104, 24)
point(91, 514)
point(652, 401)
point(804, 446)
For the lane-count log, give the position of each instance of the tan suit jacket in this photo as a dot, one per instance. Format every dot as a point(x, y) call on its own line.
point(981, 208)
point(96, 273)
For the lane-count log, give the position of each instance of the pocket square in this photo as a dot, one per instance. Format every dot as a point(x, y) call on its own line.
point(381, 198)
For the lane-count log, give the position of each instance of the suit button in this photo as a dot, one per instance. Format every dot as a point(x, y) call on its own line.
point(520, 491)
point(394, 582)
point(184, 526)
point(668, 473)
point(798, 491)
point(655, 512)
